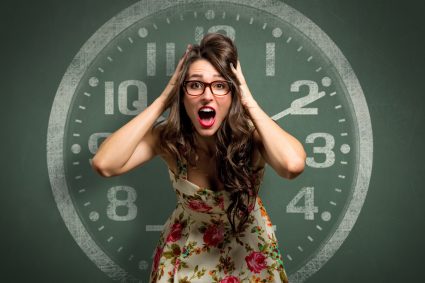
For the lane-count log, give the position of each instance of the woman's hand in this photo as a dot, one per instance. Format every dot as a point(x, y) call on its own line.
point(173, 80)
point(246, 97)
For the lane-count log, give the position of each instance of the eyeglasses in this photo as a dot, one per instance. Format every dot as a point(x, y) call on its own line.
point(197, 88)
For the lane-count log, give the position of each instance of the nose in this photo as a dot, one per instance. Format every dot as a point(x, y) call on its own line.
point(207, 95)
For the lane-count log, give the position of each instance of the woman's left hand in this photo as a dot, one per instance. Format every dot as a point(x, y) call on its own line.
point(246, 97)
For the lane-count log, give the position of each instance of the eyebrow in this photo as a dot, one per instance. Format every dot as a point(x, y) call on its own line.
point(200, 76)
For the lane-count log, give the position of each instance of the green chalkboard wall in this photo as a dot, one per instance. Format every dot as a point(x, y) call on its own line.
point(73, 72)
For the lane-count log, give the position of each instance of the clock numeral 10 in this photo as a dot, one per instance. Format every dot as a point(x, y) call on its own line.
point(123, 92)
point(127, 203)
point(308, 209)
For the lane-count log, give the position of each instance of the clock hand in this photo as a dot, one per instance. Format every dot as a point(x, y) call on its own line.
point(297, 107)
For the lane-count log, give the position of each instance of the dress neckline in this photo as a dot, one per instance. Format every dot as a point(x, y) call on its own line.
point(193, 184)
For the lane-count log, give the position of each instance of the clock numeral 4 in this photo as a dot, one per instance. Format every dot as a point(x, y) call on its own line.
point(308, 209)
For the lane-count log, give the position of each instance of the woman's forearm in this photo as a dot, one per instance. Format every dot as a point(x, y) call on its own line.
point(282, 151)
point(285, 153)
point(116, 150)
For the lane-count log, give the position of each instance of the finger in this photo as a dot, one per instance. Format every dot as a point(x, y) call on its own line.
point(178, 69)
point(232, 67)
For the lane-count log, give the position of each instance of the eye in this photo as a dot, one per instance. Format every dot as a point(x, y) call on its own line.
point(220, 85)
point(195, 85)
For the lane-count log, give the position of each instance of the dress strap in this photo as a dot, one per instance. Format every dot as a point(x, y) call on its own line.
point(182, 168)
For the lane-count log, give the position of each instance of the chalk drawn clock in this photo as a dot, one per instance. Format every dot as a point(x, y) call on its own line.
point(295, 72)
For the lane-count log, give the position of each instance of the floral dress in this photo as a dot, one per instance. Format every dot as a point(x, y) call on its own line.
point(196, 243)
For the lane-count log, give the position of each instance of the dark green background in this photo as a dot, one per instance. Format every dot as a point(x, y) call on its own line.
point(384, 43)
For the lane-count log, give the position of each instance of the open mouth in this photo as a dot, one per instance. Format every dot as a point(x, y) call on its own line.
point(206, 116)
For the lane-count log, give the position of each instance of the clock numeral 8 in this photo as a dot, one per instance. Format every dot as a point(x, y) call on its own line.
point(115, 203)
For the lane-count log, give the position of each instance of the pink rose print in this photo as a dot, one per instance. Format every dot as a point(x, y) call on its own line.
point(175, 232)
point(256, 262)
point(214, 235)
point(157, 256)
point(199, 206)
point(230, 279)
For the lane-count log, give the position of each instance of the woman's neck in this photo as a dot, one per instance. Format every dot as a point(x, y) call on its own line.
point(206, 145)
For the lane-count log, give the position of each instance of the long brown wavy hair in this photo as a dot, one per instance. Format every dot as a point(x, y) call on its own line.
point(234, 138)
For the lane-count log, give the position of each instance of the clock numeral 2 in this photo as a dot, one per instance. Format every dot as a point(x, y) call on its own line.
point(298, 105)
point(308, 209)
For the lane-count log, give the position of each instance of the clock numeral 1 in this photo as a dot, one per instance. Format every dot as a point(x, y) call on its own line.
point(270, 59)
point(127, 203)
point(123, 92)
point(308, 209)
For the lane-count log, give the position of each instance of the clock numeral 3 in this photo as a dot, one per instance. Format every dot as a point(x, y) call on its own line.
point(327, 150)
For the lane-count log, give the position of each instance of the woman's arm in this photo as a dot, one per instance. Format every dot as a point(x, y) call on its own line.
point(282, 151)
point(131, 145)
point(136, 142)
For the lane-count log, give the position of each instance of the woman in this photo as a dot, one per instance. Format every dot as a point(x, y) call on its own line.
point(215, 142)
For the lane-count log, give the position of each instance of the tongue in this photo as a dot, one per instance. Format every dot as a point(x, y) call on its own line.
point(206, 123)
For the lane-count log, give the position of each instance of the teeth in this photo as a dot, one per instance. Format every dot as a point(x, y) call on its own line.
point(207, 110)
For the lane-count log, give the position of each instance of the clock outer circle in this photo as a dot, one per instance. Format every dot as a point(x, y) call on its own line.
point(138, 11)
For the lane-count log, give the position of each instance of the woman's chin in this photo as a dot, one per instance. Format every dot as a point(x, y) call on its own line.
point(206, 132)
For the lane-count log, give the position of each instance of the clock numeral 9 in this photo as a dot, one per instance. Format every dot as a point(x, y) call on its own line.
point(115, 203)
point(327, 150)
point(308, 209)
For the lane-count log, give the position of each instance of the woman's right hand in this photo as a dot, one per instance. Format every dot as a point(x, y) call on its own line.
point(173, 80)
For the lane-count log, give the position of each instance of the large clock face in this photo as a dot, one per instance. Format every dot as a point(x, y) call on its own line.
point(294, 71)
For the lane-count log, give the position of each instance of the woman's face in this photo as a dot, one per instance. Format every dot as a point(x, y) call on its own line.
point(205, 121)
